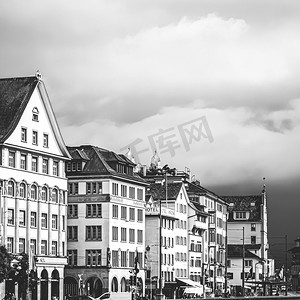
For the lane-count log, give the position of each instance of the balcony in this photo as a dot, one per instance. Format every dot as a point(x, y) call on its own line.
point(200, 225)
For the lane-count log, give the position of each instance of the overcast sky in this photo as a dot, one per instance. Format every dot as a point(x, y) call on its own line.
point(135, 72)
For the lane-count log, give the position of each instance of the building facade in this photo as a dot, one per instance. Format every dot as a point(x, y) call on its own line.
point(199, 231)
point(106, 222)
point(211, 221)
point(33, 185)
point(247, 227)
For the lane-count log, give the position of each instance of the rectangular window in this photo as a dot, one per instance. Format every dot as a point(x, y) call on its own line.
point(45, 140)
point(131, 236)
point(44, 247)
point(54, 248)
point(115, 233)
point(124, 259)
point(45, 168)
point(93, 210)
point(140, 236)
point(23, 162)
point(140, 215)
point(131, 214)
point(72, 233)
point(12, 159)
point(131, 259)
point(72, 257)
point(63, 223)
point(253, 227)
point(253, 239)
point(240, 215)
point(10, 244)
point(123, 234)
point(33, 219)
point(44, 221)
point(55, 168)
point(88, 188)
point(33, 246)
point(93, 233)
point(139, 194)
point(115, 188)
point(21, 245)
point(34, 164)
point(72, 211)
point(34, 137)
point(131, 192)
point(10, 216)
point(93, 258)
point(23, 134)
point(248, 263)
point(22, 219)
point(115, 211)
point(123, 190)
point(54, 222)
point(123, 212)
point(115, 258)
point(212, 236)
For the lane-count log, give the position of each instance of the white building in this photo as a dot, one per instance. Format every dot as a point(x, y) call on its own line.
point(33, 184)
point(247, 224)
point(106, 222)
point(210, 219)
point(174, 235)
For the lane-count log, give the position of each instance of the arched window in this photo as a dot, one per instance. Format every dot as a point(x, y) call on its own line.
point(123, 285)
point(11, 188)
point(22, 190)
point(114, 285)
point(44, 193)
point(33, 192)
point(55, 195)
point(35, 114)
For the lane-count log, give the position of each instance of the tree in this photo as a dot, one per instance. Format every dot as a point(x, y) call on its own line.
point(5, 259)
point(19, 271)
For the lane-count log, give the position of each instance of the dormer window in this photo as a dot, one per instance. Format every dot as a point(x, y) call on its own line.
point(241, 215)
point(35, 114)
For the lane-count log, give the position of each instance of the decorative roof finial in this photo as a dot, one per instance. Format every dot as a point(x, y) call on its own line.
point(38, 75)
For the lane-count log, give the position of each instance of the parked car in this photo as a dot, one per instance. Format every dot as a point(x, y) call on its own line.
point(81, 297)
point(104, 296)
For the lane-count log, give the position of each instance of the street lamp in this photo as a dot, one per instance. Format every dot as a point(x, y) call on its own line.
point(165, 171)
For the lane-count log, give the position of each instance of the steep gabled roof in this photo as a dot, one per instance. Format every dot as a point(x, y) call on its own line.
point(14, 96)
point(158, 191)
point(250, 203)
point(97, 162)
point(197, 189)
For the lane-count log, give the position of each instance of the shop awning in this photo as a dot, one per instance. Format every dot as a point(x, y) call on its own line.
point(188, 282)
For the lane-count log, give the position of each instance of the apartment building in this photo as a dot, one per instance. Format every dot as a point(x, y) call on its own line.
point(106, 222)
point(248, 234)
point(33, 184)
point(169, 202)
point(211, 220)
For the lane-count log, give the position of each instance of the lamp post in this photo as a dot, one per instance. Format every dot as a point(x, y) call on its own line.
point(243, 267)
point(165, 171)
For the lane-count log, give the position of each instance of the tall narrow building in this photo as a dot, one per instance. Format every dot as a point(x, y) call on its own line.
point(33, 184)
point(247, 240)
point(106, 223)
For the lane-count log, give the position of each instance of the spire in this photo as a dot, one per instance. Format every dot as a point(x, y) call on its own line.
point(129, 155)
point(155, 161)
point(264, 185)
